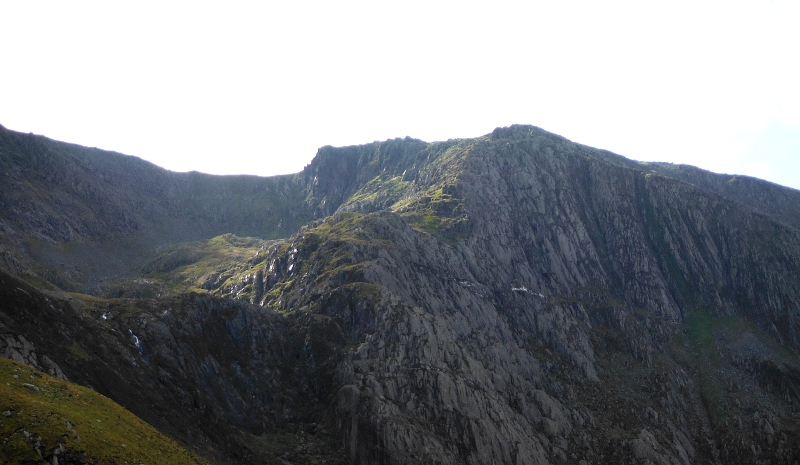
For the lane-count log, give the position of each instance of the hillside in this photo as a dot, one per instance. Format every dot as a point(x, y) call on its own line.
point(79, 216)
point(515, 298)
point(46, 420)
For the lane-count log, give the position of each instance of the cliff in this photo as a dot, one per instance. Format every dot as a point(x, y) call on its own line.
point(515, 298)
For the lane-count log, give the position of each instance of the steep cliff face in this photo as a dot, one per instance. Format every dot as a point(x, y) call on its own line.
point(63, 204)
point(516, 298)
point(234, 382)
point(774, 200)
point(578, 310)
point(78, 217)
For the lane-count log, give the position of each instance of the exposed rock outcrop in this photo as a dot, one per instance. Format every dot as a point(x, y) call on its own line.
point(516, 298)
point(18, 348)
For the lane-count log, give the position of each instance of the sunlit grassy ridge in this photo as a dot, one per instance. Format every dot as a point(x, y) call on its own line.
point(187, 266)
point(435, 208)
point(232, 266)
point(224, 266)
point(42, 415)
point(380, 189)
point(327, 250)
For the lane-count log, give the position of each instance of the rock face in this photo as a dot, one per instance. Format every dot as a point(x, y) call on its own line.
point(512, 299)
point(78, 217)
point(20, 349)
point(568, 273)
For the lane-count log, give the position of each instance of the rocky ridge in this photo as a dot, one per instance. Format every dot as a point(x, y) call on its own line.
point(515, 298)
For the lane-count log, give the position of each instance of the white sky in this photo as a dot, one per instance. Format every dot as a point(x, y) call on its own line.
point(256, 87)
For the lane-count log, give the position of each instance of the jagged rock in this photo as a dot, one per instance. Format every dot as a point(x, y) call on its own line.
point(515, 298)
point(20, 349)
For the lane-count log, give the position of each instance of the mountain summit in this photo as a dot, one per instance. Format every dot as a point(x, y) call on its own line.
point(514, 299)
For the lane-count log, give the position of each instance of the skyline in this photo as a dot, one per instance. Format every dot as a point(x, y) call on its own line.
point(257, 88)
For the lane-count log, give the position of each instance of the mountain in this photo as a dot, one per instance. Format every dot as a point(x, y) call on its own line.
point(515, 298)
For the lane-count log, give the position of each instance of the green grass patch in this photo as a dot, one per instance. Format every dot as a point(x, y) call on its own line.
point(699, 325)
point(38, 282)
point(89, 299)
point(380, 189)
point(78, 351)
point(432, 211)
point(91, 427)
point(343, 227)
point(220, 266)
point(430, 222)
point(699, 348)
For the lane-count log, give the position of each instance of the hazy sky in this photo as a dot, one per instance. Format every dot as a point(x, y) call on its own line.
point(256, 87)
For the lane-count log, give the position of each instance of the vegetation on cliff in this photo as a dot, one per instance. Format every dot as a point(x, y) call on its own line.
point(515, 298)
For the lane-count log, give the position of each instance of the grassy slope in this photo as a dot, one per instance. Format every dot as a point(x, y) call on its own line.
point(225, 265)
point(90, 427)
